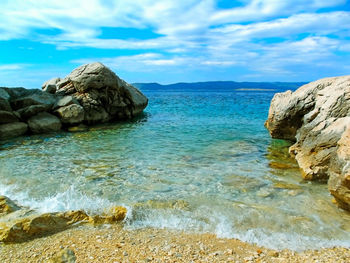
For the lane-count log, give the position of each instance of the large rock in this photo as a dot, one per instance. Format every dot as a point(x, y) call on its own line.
point(91, 76)
point(4, 100)
point(316, 117)
point(13, 129)
point(44, 122)
point(27, 112)
point(33, 226)
point(50, 85)
point(7, 206)
point(137, 100)
point(339, 181)
point(64, 101)
point(102, 94)
point(115, 214)
point(21, 98)
point(7, 117)
point(19, 224)
point(71, 114)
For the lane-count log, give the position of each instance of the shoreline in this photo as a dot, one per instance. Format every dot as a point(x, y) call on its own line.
point(114, 243)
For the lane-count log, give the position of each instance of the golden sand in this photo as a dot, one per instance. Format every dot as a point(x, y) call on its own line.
point(113, 243)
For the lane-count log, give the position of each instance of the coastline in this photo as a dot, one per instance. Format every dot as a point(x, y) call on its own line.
point(113, 243)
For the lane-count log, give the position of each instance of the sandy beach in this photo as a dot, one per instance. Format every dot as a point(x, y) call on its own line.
point(113, 243)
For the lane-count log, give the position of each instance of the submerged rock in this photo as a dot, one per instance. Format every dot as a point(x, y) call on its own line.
point(317, 118)
point(115, 214)
point(171, 204)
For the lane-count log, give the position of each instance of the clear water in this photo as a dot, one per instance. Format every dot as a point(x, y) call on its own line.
point(195, 161)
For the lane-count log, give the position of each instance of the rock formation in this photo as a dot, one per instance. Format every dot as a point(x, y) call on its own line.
point(317, 118)
point(90, 94)
point(19, 224)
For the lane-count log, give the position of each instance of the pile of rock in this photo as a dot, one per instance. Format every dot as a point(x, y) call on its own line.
point(317, 118)
point(90, 94)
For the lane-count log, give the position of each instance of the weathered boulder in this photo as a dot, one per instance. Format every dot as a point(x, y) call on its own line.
point(50, 85)
point(7, 117)
point(339, 181)
point(4, 100)
point(27, 112)
point(44, 122)
point(102, 94)
point(316, 117)
point(65, 101)
point(13, 129)
point(137, 100)
point(33, 226)
point(115, 214)
point(71, 114)
point(21, 98)
point(91, 76)
point(317, 146)
point(7, 206)
point(19, 224)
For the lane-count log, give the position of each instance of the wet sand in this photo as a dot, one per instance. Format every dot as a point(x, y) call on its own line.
point(112, 243)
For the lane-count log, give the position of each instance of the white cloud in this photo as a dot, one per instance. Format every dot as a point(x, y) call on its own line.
point(320, 24)
point(194, 33)
point(143, 62)
point(7, 67)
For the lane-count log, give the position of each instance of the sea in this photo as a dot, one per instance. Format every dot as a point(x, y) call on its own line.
point(194, 161)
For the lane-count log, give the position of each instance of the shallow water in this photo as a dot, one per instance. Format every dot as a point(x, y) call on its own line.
point(195, 161)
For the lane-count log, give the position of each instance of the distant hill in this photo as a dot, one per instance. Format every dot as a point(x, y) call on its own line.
point(221, 85)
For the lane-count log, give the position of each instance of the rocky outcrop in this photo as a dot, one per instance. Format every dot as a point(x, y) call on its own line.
point(102, 94)
point(90, 94)
point(19, 224)
point(39, 225)
point(339, 181)
point(317, 118)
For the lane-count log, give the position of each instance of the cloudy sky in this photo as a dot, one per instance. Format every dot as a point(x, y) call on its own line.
point(169, 41)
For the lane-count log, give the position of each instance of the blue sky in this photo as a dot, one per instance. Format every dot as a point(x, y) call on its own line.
point(175, 41)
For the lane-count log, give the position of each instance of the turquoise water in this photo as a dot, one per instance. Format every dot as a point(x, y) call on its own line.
point(194, 161)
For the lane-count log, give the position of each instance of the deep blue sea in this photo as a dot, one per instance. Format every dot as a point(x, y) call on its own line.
point(198, 161)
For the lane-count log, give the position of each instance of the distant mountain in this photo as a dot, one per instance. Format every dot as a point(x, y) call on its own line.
point(221, 85)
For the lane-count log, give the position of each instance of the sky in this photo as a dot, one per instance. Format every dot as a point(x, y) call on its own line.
point(171, 41)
